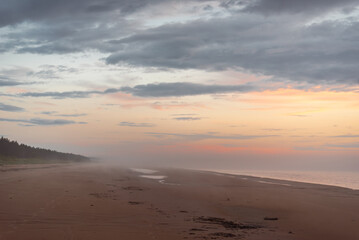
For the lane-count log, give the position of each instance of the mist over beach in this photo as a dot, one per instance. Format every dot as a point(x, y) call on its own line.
point(194, 119)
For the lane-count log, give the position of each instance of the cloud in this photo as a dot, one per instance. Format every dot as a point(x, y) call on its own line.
point(133, 124)
point(345, 145)
point(180, 89)
point(54, 113)
point(71, 115)
point(48, 112)
point(254, 38)
point(10, 108)
point(61, 95)
point(7, 82)
point(18, 11)
point(184, 114)
point(197, 137)
point(40, 121)
point(187, 118)
point(52, 71)
point(315, 54)
point(347, 136)
point(268, 7)
point(150, 90)
point(72, 26)
point(8, 76)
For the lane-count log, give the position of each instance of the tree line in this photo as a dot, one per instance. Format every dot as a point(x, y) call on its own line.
point(13, 149)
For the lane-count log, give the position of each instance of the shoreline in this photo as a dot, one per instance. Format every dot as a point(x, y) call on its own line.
point(279, 179)
point(149, 171)
point(258, 179)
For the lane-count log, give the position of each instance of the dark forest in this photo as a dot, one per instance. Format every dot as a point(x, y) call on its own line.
point(13, 150)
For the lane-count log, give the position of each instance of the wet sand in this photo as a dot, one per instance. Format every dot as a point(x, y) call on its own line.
point(93, 201)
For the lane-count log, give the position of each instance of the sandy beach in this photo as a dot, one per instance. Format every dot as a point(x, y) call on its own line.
point(96, 201)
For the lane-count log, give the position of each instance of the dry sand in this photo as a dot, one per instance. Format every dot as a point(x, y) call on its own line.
point(93, 201)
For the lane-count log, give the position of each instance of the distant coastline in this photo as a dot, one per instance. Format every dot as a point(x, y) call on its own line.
point(11, 152)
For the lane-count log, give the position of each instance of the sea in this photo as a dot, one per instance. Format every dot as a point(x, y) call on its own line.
point(340, 179)
point(345, 179)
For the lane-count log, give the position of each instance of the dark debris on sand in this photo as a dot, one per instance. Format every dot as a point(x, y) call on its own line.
point(131, 188)
point(223, 234)
point(230, 228)
point(225, 223)
point(270, 218)
point(135, 203)
point(198, 230)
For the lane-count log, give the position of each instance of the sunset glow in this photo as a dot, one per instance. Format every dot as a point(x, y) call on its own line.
point(157, 84)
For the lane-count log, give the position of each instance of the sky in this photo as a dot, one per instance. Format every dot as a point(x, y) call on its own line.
point(229, 84)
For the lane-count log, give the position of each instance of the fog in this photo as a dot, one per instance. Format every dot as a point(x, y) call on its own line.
point(231, 161)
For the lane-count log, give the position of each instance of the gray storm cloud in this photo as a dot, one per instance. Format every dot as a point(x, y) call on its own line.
point(150, 90)
point(323, 53)
point(269, 37)
point(182, 89)
point(294, 6)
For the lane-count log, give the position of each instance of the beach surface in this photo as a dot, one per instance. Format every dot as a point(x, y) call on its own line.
point(98, 201)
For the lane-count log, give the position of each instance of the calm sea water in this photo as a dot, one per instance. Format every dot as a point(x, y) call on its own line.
point(341, 179)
